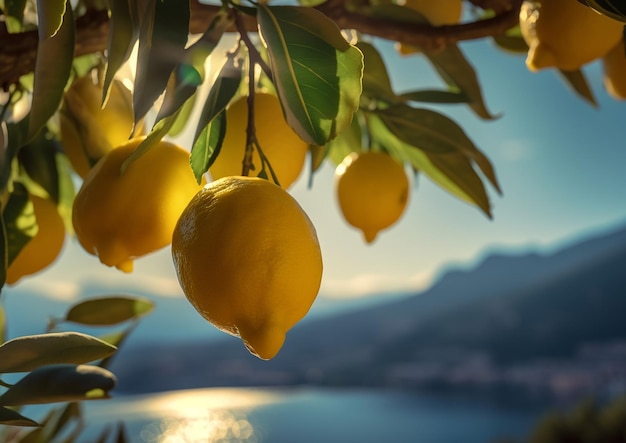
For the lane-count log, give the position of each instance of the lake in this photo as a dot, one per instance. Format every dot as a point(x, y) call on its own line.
point(309, 415)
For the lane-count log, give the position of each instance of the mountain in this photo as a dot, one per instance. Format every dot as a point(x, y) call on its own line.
point(510, 319)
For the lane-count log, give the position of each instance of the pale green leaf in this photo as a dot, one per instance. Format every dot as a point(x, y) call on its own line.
point(459, 74)
point(104, 311)
point(14, 14)
point(32, 351)
point(577, 81)
point(50, 17)
point(60, 383)
point(10, 417)
point(123, 33)
point(162, 41)
point(317, 73)
point(52, 70)
point(350, 140)
point(452, 171)
point(207, 146)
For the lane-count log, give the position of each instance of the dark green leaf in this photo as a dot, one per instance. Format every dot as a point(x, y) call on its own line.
point(32, 351)
point(317, 73)
point(52, 70)
point(577, 81)
point(212, 123)
point(123, 32)
point(616, 9)
point(60, 383)
point(460, 75)
point(162, 41)
point(20, 222)
point(39, 160)
point(207, 145)
point(50, 16)
point(14, 14)
point(14, 135)
point(183, 83)
point(376, 82)
point(452, 171)
point(13, 418)
point(435, 96)
point(103, 311)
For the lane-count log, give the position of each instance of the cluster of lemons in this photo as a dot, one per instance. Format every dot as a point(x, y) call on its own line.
point(246, 254)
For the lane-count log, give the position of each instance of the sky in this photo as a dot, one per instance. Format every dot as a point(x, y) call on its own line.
point(561, 164)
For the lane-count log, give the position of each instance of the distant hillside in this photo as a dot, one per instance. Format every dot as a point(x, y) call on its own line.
point(506, 312)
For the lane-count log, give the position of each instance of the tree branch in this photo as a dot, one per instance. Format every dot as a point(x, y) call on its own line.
point(18, 51)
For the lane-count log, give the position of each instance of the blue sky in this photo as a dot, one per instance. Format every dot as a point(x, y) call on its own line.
point(561, 164)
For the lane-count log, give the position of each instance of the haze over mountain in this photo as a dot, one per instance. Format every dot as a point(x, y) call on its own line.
point(512, 318)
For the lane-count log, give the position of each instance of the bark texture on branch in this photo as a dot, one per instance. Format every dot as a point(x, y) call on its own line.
point(18, 51)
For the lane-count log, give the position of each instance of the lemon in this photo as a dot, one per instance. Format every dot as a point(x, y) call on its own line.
point(565, 34)
point(119, 217)
point(437, 12)
point(43, 249)
point(285, 151)
point(614, 64)
point(372, 191)
point(88, 130)
point(248, 260)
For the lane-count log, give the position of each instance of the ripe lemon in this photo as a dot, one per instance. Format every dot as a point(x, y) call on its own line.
point(283, 148)
point(119, 217)
point(88, 130)
point(437, 12)
point(614, 64)
point(44, 247)
point(565, 34)
point(372, 191)
point(248, 259)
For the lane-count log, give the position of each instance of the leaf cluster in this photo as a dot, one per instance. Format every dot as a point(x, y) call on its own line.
point(64, 367)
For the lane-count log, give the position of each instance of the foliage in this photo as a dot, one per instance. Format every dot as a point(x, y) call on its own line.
point(321, 61)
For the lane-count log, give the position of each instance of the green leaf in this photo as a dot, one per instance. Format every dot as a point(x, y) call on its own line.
point(577, 81)
point(162, 41)
point(50, 16)
point(183, 83)
point(376, 82)
point(32, 351)
point(14, 15)
point(12, 137)
point(183, 116)
point(123, 32)
point(350, 140)
point(104, 311)
point(38, 158)
point(60, 383)
point(212, 122)
point(20, 222)
point(13, 418)
point(207, 146)
point(317, 73)
point(428, 130)
point(52, 69)
point(460, 75)
point(435, 96)
point(451, 171)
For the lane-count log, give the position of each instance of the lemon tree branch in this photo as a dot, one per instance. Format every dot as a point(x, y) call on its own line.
point(18, 51)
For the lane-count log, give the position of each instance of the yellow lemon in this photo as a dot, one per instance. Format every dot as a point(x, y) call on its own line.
point(614, 64)
point(119, 217)
point(437, 12)
point(372, 191)
point(565, 34)
point(285, 151)
point(43, 249)
point(88, 130)
point(248, 259)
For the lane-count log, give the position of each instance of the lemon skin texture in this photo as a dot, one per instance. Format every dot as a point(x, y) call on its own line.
point(88, 130)
point(614, 72)
point(372, 191)
point(283, 148)
point(248, 259)
point(43, 249)
point(122, 216)
point(565, 34)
